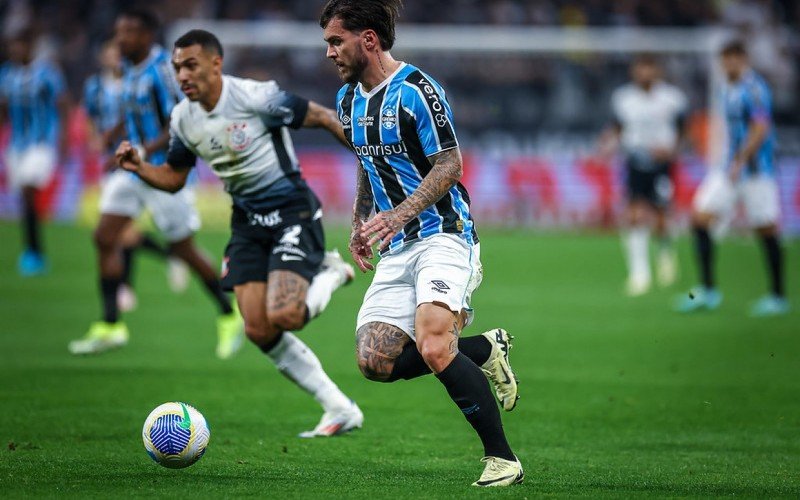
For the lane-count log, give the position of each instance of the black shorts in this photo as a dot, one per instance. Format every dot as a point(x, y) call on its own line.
point(290, 238)
point(653, 185)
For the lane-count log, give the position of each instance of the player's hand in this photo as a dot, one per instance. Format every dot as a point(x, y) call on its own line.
point(382, 228)
point(128, 157)
point(360, 251)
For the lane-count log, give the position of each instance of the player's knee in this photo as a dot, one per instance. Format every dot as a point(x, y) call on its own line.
point(437, 352)
point(374, 365)
point(372, 370)
point(290, 317)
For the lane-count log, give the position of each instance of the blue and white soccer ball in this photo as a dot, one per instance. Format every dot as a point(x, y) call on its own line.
point(175, 435)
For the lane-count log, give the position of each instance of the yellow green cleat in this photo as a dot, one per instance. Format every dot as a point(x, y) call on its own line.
point(101, 337)
point(230, 333)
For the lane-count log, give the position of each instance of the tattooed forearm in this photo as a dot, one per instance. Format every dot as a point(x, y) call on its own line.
point(362, 208)
point(446, 172)
point(377, 346)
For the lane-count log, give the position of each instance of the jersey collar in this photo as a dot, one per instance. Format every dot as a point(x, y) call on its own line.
point(222, 98)
point(381, 85)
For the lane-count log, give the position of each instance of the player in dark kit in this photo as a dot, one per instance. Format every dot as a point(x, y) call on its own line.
point(398, 121)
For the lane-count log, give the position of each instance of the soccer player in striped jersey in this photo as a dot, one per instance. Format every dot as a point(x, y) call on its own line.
point(33, 97)
point(102, 98)
point(400, 125)
point(275, 261)
point(748, 178)
point(149, 93)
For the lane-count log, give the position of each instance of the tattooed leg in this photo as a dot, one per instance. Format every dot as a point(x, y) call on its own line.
point(286, 300)
point(377, 346)
point(437, 331)
point(252, 300)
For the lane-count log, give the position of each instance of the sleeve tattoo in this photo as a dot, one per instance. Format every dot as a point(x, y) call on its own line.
point(446, 172)
point(362, 208)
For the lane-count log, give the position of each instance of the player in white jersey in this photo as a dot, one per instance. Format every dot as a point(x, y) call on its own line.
point(649, 117)
point(275, 261)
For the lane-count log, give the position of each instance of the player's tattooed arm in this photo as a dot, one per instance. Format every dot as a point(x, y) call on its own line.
point(319, 116)
point(377, 346)
point(446, 172)
point(362, 208)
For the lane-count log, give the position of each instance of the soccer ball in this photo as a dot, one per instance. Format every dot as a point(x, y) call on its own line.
point(175, 435)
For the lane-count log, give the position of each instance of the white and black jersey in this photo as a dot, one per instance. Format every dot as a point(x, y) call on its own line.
point(244, 140)
point(648, 118)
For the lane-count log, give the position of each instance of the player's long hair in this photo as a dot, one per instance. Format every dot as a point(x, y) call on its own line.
point(359, 15)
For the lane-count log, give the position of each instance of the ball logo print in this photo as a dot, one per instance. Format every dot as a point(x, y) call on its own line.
point(175, 435)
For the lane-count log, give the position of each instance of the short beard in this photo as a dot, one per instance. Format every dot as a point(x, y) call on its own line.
point(359, 65)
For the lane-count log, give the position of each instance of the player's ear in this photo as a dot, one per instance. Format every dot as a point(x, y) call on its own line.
point(370, 40)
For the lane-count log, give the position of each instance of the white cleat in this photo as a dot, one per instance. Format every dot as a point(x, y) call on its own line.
point(101, 337)
point(500, 472)
point(498, 370)
point(337, 423)
point(126, 298)
point(666, 268)
point(177, 275)
point(637, 285)
point(333, 260)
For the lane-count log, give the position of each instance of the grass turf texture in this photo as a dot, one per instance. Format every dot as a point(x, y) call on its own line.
point(620, 397)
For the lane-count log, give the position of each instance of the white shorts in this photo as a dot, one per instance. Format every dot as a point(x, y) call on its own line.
point(759, 196)
point(442, 268)
point(174, 214)
point(32, 166)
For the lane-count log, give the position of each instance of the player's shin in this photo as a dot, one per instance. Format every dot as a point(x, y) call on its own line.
point(705, 256)
point(469, 389)
point(297, 362)
point(774, 256)
point(409, 364)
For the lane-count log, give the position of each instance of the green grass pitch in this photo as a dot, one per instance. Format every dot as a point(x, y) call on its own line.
point(620, 397)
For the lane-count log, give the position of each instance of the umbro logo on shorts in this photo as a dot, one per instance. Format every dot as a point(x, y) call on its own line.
point(439, 286)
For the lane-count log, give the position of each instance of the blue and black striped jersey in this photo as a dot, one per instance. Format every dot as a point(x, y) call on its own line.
point(149, 92)
point(745, 101)
point(31, 92)
point(394, 129)
point(102, 97)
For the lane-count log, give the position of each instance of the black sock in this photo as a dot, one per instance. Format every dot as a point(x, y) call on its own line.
point(108, 291)
point(774, 254)
point(469, 389)
point(705, 255)
point(271, 344)
point(214, 287)
point(149, 243)
point(31, 228)
point(409, 364)
point(127, 265)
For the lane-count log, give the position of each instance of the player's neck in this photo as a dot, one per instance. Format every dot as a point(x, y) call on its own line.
point(214, 95)
point(380, 70)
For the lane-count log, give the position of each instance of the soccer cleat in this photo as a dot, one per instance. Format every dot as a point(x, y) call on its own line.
point(770, 305)
point(335, 424)
point(667, 267)
point(699, 299)
point(637, 285)
point(500, 472)
point(230, 333)
point(101, 337)
point(31, 263)
point(498, 369)
point(126, 298)
point(333, 260)
point(177, 275)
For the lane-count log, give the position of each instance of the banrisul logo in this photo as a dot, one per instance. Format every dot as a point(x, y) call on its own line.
point(388, 119)
point(397, 148)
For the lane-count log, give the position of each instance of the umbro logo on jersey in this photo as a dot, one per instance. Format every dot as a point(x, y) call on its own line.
point(439, 286)
point(345, 119)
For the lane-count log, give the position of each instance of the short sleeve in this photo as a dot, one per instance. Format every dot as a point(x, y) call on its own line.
point(276, 107)
point(178, 153)
point(426, 101)
point(166, 90)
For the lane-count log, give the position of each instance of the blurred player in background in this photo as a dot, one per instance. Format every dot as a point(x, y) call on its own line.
point(398, 121)
point(149, 94)
point(649, 119)
point(102, 98)
point(275, 261)
point(33, 98)
point(749, 179)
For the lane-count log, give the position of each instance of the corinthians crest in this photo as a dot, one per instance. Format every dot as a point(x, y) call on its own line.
point(238, 139)
point(388, 118)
